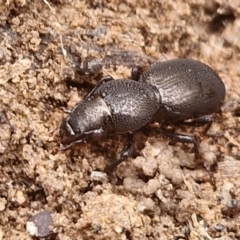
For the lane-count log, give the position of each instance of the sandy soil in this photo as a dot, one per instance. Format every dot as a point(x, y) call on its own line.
point(51, 55)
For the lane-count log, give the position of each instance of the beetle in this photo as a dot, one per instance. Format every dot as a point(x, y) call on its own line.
point(167, 92)
point(189, 89)
point(112, 107)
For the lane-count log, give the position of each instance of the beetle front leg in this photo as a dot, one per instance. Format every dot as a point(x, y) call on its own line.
point(126, 152)
point(102, 81)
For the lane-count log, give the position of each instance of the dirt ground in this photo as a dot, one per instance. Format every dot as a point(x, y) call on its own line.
point(51, 55)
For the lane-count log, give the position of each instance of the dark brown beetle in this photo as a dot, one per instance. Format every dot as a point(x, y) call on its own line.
point(171, 92)
point(189, 89)
point(112, 107)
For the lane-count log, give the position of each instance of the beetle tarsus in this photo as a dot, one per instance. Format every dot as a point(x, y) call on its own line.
point(211, 175)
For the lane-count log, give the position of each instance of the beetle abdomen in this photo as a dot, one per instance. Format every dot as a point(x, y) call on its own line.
point(188, 88)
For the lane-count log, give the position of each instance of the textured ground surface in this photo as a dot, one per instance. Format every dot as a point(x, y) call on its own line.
point(47, 49)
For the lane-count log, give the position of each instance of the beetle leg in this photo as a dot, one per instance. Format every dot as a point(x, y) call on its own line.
point(102, 81)
point(135, 73)
point(183, 139)
point(200, 121)
point(207, 119)
point(126, 152)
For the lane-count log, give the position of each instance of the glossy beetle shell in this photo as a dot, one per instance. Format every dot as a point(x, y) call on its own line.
point(117, 106)
point(188, 88)
point(132, 104)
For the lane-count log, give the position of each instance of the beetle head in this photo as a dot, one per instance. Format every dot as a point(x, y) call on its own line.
point(90, 119)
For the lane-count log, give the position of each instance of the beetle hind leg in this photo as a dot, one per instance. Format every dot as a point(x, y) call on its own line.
point(183, 139)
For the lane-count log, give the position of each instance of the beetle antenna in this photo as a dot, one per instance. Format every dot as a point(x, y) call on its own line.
point(65, 148)
point(53, 130)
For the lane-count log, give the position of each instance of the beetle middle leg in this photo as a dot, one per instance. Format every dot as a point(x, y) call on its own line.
point(183, 139)
point(136, 72)
point(126, 152)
